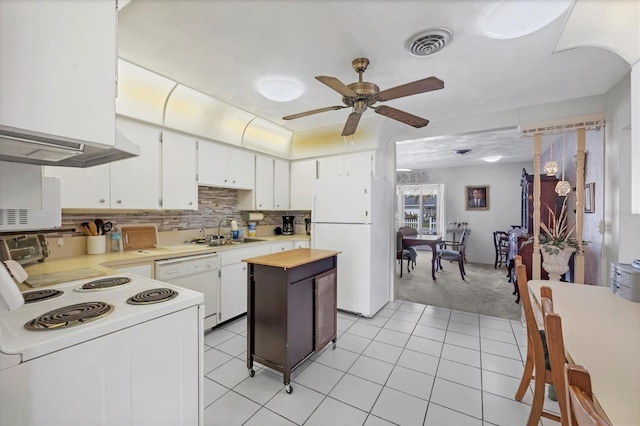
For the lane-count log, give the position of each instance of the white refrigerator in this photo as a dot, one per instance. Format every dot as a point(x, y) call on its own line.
point(353, 215)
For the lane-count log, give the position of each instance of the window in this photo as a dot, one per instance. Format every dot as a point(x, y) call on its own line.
point(421, 208)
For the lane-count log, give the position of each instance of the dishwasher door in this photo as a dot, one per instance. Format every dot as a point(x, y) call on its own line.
point(198, 273)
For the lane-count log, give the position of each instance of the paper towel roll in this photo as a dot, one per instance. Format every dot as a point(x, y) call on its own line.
point(255, 216)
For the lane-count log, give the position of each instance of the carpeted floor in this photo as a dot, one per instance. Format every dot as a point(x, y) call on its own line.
point(485, 289)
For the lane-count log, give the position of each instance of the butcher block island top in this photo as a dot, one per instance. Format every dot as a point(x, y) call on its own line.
point(292, 258)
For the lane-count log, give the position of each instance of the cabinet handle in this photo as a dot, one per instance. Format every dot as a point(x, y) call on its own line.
point(190, 203)
point(119, 201)
point(225, 180)
point(102, 200)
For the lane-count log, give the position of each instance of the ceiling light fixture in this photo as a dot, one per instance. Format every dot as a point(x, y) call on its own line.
point(404, 170)
point(492, 159)
point(516, 18)
point(279, 88)
point(461, 151)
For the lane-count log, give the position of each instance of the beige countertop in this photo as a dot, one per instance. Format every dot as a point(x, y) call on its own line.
point(291, 258)
point(108, 263)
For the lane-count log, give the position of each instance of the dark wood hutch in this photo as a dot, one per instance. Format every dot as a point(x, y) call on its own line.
point(548, 197)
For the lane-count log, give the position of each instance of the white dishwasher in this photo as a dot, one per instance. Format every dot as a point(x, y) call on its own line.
point(198, 273)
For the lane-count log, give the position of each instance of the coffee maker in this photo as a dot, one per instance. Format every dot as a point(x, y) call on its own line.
point(307, 225)
point(287, 225)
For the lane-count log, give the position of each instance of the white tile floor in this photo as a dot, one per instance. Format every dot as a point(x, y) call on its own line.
point(411, 364)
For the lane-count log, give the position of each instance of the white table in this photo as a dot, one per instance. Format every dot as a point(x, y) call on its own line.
point(601, 332)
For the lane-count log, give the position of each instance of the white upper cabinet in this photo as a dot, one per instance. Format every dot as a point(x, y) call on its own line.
point(179, 162)
point(280, 184)
point(303, 176)
point(272, 186)
point(224, 166)
point(111, 186)
point(353, 164)
point(264, 183)
point(58, 68)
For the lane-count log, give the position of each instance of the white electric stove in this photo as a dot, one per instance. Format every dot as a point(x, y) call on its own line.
point(120, 349)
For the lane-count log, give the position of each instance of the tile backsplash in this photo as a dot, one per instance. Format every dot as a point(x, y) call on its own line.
point(214, 204)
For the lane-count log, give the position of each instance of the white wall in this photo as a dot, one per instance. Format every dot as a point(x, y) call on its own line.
point(504, 202)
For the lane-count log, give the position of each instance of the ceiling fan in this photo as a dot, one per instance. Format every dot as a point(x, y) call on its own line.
point(362, 95)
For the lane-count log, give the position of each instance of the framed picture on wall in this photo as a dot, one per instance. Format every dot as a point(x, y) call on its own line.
point(477, 197)
point(589, 193)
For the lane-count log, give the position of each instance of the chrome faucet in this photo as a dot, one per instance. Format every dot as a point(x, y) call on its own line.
point(220, 224)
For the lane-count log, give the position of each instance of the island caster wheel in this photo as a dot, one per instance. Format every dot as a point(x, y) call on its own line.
point(288, 389)
point(334, 345)
point(252, 373)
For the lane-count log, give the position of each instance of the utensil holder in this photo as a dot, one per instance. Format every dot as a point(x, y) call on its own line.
point(96, 244)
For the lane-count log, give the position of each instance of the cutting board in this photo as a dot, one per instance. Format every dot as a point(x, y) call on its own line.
point(62, 277)
point(136, 237)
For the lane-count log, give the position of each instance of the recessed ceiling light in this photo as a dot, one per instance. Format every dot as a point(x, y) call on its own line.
point(516, 18)
point(279, 88)
point(492, 159)
point(404, 170)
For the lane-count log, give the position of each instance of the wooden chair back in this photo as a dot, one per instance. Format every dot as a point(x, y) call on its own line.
point(408, 230)
point(535, 368)
point(582, 410)
point(556, 352)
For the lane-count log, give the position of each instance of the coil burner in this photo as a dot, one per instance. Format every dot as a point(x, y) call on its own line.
point(156, 295)
point(104, 284)
point(40, 295)
point(69, 316)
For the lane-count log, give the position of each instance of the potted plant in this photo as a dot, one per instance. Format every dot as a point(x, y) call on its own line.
point(557, 242)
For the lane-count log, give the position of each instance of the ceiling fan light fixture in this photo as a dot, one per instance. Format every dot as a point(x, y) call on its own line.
point(509, 19)
point(492, 159)
point(428, 42)
point(279, 88)
point(461, 151)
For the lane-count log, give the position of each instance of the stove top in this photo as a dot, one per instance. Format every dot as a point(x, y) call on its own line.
point(81, 310)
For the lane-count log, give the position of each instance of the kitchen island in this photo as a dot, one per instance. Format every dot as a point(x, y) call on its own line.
point(291, 308)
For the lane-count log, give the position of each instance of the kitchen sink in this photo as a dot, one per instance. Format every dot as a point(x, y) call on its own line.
point(216, 243)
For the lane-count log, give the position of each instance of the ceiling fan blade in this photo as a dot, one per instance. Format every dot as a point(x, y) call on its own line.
point(421, 86)
point(352, 124)
point(404, 117)
point(337, 85)
point(313, 111)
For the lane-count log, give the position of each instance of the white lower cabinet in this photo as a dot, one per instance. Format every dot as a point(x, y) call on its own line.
point(276, 247)
point(300, 244)
point(233, 280)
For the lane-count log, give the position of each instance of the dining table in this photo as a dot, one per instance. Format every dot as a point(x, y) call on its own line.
point(601, 332)
point(424, 240)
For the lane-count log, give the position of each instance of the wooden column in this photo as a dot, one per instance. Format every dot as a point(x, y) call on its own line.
point(536, 260)
point(578, 264)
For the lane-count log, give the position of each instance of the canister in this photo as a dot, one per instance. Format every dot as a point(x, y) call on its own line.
point(252, 229)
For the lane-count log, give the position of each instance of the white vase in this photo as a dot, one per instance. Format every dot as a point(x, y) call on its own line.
point(556, 264)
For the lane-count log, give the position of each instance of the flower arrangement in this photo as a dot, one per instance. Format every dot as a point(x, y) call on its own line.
point(557, 235)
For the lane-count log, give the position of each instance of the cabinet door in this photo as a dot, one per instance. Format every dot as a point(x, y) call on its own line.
point(242, 173)
point(213, 164)
point(280, 184)
point(233, 291)
point(58, 70)
point(302, 178)
point(359, 164)
point(143, 192)
point(264, 183)
point(330, 167)
point(300, 244)
point(179, 184)
point(88, 188)
point(276, 247)
point(325, 309)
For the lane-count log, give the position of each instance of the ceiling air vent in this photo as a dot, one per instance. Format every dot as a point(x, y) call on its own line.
point(428, 42)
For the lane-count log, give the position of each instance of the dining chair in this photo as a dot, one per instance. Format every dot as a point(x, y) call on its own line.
point(555, 351)
point(402, 253)
point(501, 246)
point(535, 367)
point(582, 410)
point(452, 251)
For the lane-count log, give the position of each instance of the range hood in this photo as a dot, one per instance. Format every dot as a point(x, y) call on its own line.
point(23, 146)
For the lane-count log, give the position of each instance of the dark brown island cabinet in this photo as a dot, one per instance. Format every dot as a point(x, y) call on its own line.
point(291, 308)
